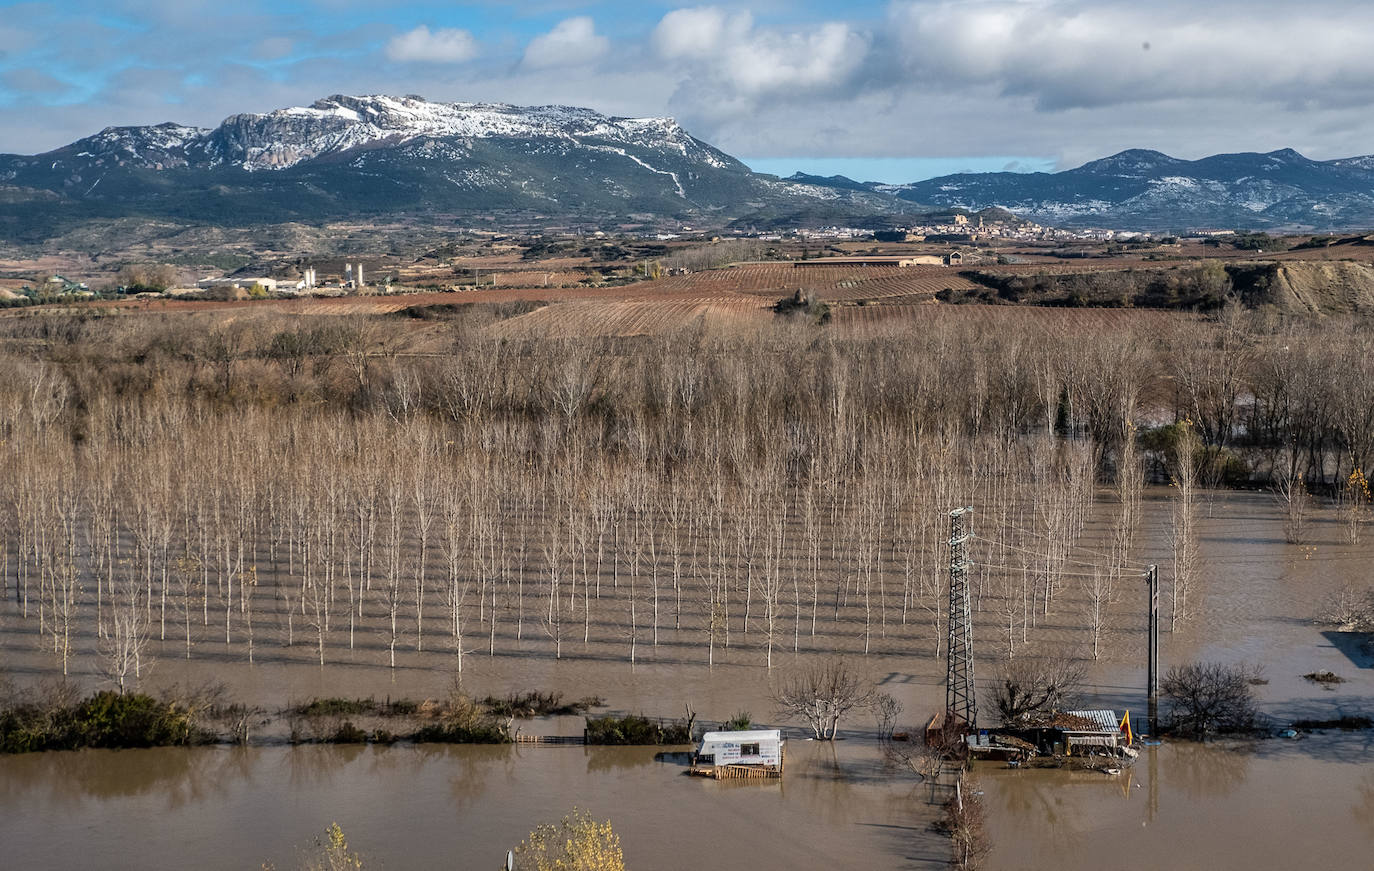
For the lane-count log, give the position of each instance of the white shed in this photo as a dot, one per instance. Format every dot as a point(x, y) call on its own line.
point(727, 754)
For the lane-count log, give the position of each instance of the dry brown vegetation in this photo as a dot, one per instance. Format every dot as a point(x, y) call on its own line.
point(251, 488)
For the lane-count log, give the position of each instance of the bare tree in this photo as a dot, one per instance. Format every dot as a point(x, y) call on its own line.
point(886, 709)
point(554, 547)
point(1033, 687)
point(822, 694)
point(1290, 492)
point(1098, 594)
point(1350, 609)
point(123, 650)
point(453, 544)
point(1183, 533)
point(1206, 698)
point(1354, 500)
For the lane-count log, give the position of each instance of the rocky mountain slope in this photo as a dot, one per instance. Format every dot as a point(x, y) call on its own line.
point(361, 156)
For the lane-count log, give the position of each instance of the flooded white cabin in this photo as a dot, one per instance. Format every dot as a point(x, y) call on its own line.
point(756, 753)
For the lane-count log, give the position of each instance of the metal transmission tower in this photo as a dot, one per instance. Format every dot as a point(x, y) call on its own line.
point(961, 703)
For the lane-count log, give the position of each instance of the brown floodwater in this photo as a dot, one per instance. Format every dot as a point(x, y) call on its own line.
point(1266, 804)
point(452, 807)
point(1272, 804)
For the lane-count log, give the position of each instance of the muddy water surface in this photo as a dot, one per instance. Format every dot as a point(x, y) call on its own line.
point(1271, 805)
point(450, 807)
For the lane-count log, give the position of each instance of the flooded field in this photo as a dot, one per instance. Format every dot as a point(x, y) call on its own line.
point(1275, 804)
point(1271, 803)
point(452, 807)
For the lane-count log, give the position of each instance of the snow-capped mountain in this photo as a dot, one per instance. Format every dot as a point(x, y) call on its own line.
point(353, 156)
point(381, 156)
point(1140, 189)
point(286, 137)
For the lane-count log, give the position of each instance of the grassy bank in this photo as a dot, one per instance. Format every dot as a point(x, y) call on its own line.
point(55, 717)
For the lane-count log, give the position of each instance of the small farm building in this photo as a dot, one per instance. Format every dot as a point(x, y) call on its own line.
point(1094, 729)
point(740, 754)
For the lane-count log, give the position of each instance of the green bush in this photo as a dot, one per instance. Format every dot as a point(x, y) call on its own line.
point(537, 704)
point(799, 304)
point(461, 733)
point(348, 733)
point(740, 723)
point(106, 719)
point(635, 730)
point(337, 707)
point(464, 721)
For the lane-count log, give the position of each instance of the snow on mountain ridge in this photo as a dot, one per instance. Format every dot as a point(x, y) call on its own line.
point(284, 137)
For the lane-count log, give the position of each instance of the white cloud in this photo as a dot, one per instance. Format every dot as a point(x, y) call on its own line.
point(730, 63)
point(1064, 79)
point(444, 46)
point(572, 42)
point(1072, 54)
point(696, 33)
point(822, 58)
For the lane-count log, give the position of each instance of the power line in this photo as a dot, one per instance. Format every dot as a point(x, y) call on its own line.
point(1066, 558)
point(1047, 538)
point(1101, 574)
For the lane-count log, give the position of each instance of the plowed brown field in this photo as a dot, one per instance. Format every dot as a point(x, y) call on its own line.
point(865, 301)
point(827, 282)
point(633, 317)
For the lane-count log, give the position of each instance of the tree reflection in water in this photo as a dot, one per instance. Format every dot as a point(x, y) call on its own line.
point(1209, 770)
point(69, 778)
point(1363, 811)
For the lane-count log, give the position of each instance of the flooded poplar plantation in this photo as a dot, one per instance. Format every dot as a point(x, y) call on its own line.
point(1267, 802)
point(669, 559)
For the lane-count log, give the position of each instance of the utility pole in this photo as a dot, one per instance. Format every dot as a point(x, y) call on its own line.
point(961, 703)
point(1152, 649)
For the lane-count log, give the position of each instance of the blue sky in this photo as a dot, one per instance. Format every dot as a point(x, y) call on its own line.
point(885, 91)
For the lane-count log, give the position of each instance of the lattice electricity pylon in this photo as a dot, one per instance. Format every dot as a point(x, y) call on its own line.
point(960, 700)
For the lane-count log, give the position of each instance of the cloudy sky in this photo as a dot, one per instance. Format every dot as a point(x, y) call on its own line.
point(891, 91)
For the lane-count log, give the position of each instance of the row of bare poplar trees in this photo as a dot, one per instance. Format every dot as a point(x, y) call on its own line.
point(193, 487)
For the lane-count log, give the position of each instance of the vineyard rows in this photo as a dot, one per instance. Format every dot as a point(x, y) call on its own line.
point(872, 320)
point(629, 318)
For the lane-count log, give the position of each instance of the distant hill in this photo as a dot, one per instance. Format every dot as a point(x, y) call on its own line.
point(1147, 190)
point(833, 181)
